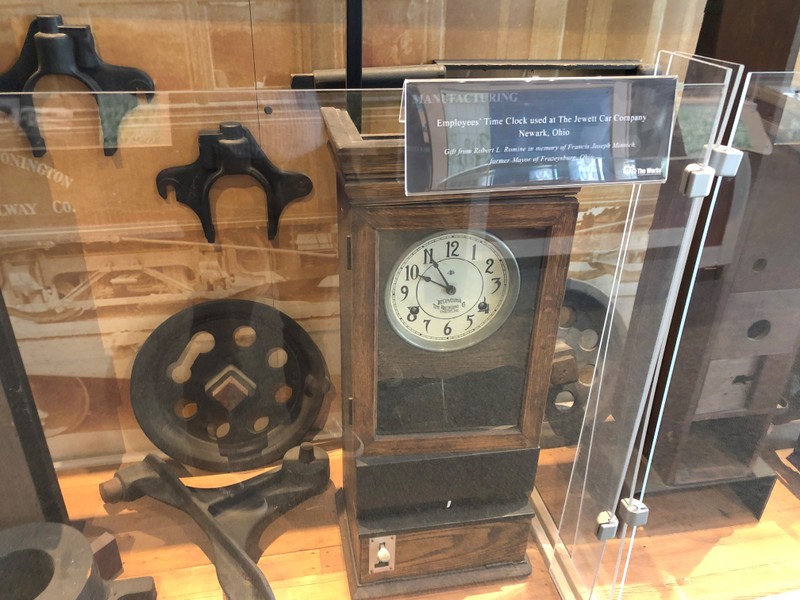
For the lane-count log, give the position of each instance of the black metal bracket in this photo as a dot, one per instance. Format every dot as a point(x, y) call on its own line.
point(52, 48)
point(233, 517)
point(232, 150)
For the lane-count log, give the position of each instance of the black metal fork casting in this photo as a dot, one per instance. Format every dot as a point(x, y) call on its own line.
point(52, 48)
point(233, 517)
point(232, 150)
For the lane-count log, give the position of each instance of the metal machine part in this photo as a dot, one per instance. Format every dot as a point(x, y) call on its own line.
point(50, 561)
point(233, 517)
point(228, 385)
point(232, 150)
point(52, 48)
point(393, 77)
point(580, 328)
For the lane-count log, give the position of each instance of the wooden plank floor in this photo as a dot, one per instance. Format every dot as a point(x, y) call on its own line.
point(702, 543)
point(303, 558)
point(698, 544)
point(705, 544)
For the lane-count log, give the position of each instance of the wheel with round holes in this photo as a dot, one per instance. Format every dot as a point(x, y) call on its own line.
point(583, 313)
point(228, 385)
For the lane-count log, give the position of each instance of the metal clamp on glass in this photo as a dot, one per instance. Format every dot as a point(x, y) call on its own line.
point(697, 180)
point(633, 512)
point(607, 524)
point(725, 160)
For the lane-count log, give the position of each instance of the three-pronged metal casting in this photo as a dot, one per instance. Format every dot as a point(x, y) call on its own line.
point(232, 150)
point(52, 48)
point(233, 517)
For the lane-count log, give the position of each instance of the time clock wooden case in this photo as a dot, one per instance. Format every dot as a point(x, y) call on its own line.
point(449, 310)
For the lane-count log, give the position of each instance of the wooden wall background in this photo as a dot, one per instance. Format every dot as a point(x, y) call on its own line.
point(232, 47)
point(223, 44)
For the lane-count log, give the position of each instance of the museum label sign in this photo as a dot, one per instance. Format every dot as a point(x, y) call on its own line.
point(471, 135)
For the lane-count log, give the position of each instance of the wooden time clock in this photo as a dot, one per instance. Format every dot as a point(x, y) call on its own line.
point(449, 308)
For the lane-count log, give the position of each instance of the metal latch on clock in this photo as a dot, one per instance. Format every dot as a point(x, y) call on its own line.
point(381, 553)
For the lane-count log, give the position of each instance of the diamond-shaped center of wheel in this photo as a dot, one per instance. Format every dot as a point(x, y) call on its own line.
point(230, 387)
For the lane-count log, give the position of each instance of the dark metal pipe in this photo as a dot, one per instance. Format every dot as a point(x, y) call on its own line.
point(371, 77)
point(393, 76)
point(27, 424)
point(355, 35)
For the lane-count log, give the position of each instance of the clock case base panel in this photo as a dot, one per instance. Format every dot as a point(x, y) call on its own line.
point(435, 549)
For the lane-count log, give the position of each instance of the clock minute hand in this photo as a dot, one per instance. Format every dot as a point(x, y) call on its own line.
point(436, 266)
point(451, 289)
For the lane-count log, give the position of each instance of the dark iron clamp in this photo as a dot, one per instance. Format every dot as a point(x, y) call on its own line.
point(52, 48)
point(233, 517)
point(232, 150)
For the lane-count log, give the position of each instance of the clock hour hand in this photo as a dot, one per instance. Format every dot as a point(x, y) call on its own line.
point(450, 289)
point(426, 278)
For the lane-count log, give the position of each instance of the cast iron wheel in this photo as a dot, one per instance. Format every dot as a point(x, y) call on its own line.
point(228, 385)
point(580, 327)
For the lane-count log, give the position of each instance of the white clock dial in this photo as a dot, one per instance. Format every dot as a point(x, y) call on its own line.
point(452, 289)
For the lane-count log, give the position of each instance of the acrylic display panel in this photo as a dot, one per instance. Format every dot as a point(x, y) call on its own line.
point(727, 430)
point(642, 291)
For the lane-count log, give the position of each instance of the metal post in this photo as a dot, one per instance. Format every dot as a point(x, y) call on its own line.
point(17, 391)
point(355, 33)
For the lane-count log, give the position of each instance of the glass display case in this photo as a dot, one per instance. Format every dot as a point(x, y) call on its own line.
point(240, 359)
point(142, 338)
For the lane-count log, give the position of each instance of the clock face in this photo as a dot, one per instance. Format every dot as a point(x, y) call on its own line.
point(452, 290)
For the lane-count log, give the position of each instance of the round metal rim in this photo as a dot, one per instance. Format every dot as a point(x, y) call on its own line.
point(205, 454)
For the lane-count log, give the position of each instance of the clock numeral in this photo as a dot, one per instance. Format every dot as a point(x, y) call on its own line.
point(427, 322)
point(447, 329)
point(483, 306)
point(470, 321)
point(452, 249)
point(412, 272)
point(497, 284)
point(412, 313)
point(428, 256)
point(489, 265)
point(404, 290)
point(473, 250)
